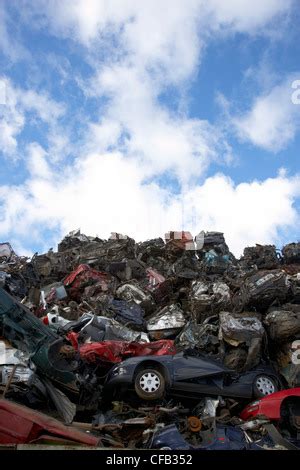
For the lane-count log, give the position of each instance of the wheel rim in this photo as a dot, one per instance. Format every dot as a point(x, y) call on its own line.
point(265, 385)
point(149, 382)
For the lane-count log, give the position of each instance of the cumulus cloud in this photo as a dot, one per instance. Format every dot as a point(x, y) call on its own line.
point(101, 193)
point(148, 132)
point(137, 51)
point(11, 120)
point(87, 20)
point(149, 52)
point(273, 120)
point(167, 43)
point(10, 45)
point(37, 162)
point(244, 16)
point(248, 213)
point(20, 106)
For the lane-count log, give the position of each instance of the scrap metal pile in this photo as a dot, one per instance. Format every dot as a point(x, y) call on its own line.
point(163, 344)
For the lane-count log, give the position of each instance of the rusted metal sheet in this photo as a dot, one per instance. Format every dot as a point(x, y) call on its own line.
point(20, 425)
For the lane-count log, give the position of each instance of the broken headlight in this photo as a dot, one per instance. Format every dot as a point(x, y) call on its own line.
point(119, 370)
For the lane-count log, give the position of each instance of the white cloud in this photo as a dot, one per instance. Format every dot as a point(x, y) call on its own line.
point(137, 50)
point(273, 120)
point(10, 45)
point(2, 92)
point(143, 48)
point(37, 162)
point(103, 135)
point(20, 106)
point(160, 35)
point(149, 132)
point(155, 44)
point(104, 193)
point(248, 17)
point(11, 120)
point(248, 213)
point(41, 104)
point(166, 36)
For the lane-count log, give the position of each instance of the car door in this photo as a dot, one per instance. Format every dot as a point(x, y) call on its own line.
point(197, 375)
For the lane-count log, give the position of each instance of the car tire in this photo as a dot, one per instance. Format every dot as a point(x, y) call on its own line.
point(264, 385)
point(149, 384)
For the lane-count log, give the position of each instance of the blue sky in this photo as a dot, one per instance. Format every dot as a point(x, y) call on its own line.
point(142, 116)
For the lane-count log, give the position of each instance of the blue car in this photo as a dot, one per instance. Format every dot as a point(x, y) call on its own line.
point(184, 375)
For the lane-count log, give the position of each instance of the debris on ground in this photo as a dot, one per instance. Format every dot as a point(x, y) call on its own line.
point(162, 344)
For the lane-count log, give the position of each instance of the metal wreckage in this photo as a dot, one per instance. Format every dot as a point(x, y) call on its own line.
point(165, 344)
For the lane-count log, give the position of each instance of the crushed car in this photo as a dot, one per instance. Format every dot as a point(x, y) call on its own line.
point(158, 344)
point(186, 375)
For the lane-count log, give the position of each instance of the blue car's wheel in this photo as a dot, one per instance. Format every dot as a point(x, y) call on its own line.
point(263, 386)
point(149, 384)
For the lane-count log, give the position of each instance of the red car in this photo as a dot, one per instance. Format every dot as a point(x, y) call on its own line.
point(22, 425)
point(283, 406)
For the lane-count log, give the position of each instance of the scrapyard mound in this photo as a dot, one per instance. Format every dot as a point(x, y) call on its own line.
point(104, 334)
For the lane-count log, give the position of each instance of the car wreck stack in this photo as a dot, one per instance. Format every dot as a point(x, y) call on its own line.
point(73, 319)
